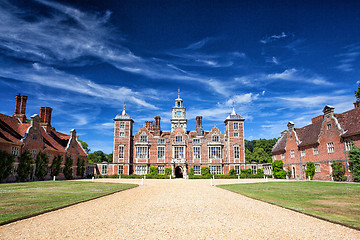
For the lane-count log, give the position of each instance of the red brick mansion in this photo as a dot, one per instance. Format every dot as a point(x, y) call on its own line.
point(178, 149)
point(328, 138)
point(19, 134)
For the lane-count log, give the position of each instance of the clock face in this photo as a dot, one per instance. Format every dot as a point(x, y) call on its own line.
point(178, 114)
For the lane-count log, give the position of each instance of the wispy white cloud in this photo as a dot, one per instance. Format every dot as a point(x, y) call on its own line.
point(349, 57)
point(274, 38)
point(296, 75)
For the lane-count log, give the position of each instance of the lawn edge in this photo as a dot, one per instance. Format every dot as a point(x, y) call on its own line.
point(61, 207)
point(294, 210)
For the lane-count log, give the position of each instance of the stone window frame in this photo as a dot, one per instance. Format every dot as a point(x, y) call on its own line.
point(317, 167)
point(215, 138)
point(197, 153)
point(292, 153)
point(104, 169)
point(178, 138)
point(328, 126)
point(282, 156)
point(33, 153)
point(122, 125)
point(121, 169)
point(179, 152)
point(143, 138)
point(349, 144)
point(236, 125)
point(141, 169)
point(121, 153)
point(237, 169)
point(316, 150)
point(236, 152)
point(121, 134)
point(215, 152)
point(141, 152)
point(161, 170)
point(253, 169)
point(216, 169)
point(15, 150)
point(236, 134)
point(330, 147)
point(161, 154)
point(196, 140)
point(302, 152)
point(197, 170)
point(161, 141)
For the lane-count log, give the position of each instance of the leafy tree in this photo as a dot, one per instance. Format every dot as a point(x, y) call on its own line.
point(338, 171)
point(56, 166)
point(25, 168)
point(41, 163)
point(80, 170)
point(97, 157)
point(357, 94)
point(248, 156)
point(6, 164)
point(278, 170)
point(68, 168)
point(354, 159)
point(109, 157)
point(259, 150)
point(260, 156)
point(310, 170)
point(85, 146)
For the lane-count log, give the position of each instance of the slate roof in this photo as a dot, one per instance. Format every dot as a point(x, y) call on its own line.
point(12, 131)
point(122, 116)
point(349, 122)
point(280, 144)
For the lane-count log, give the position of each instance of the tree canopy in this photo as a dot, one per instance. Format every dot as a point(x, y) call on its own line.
point(259, 151)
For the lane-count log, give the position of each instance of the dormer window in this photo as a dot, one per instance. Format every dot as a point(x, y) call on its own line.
point(178, 138)
point(161, 141)
point(196, 140)
point(215, 138)
point(143, 138)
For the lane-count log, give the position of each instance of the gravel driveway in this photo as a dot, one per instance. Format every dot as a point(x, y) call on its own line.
point(175, 209)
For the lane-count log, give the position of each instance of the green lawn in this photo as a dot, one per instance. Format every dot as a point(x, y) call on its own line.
point(23, 199)
point(339, 202)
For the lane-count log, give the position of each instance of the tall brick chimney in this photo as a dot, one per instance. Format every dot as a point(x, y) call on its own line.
point(328, 110)
point(45, 117)
point(20, 107)
point(157, 127)
point(199, 128)
point(290, 125)
point(357, 104)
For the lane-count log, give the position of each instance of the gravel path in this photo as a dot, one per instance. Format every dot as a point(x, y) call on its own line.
point(175, 209)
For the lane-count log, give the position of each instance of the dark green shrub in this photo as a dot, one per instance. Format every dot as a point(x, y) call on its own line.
point(6, 164)
point(153, 171)
point(56, 166)
point(191, 173)
point(310, 170)
point(68, 168)
point(338, 171)
point(232, 172)
point(80, 170)
point(278, 171)
point(167, 171)
point(41, 165)
point(25, 168)
point(354, 160)
point(205, 171)
point(288, 172)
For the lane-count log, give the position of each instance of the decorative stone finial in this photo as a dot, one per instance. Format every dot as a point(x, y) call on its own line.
point(178, 92)
point(233, 111)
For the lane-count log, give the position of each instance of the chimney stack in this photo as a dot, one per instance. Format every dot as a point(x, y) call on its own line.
point(357, 104)
point(20, 107)
point(328, 110)
point(290, 125)
point(157, 125)
point(199, 128)
point(45, 117)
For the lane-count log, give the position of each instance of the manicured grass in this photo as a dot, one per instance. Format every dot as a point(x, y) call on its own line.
point(23, 199)
point(339, 202)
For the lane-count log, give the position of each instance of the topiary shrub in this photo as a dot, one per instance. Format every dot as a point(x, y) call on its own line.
point(167, 171)
point(338, 171)
point(68, 168)
point(41, 165)
point(310, 170)
point(56, 166)
point(25, 168)
point(205, 172)
point(354, 160)
point(191, 173)
point(232, 172)
point(6, 164)
point(278, 171)
point(80, 170)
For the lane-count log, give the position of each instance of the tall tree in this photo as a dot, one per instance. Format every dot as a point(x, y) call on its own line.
point(41, 165)
point(357, 93)
point(80, 170)
point(85, 146)
point(6, 164)
point(25, 168)
point(354, 158)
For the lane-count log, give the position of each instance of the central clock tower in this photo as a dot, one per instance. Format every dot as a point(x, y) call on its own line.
point(178, 119)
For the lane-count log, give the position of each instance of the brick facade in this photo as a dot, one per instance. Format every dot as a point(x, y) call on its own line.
point(327, 139)
point(18, 134)
point(177, 149)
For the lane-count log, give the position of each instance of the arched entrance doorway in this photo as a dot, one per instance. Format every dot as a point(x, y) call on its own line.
point(178, 172)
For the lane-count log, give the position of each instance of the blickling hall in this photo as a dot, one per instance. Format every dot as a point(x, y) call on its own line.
point(328, 138)
point(19, 134)
point(178, 149)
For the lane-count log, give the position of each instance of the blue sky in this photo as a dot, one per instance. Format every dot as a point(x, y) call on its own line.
point(279, 61)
